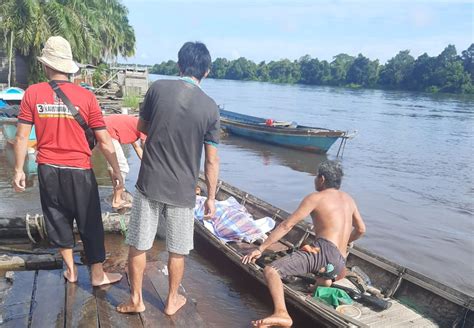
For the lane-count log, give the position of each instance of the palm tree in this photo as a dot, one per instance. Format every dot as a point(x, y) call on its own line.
point(97, 29)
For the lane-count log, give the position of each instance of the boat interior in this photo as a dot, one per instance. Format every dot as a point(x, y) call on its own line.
point(410, 299)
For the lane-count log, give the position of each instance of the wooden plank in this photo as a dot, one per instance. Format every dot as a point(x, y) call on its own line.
point(81, 306)
point(420, 322)
point(15, 311)
point(391, 318)
point(187, 316)
point(49, 309)
point(108, 297)
point(369, 313)
point(154, 315)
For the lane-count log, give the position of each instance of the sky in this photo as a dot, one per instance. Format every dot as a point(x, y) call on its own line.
point(272, 30)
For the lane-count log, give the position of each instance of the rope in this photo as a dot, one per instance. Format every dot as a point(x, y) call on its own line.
point(123, 227)
point(27, 223)
point(38, 224)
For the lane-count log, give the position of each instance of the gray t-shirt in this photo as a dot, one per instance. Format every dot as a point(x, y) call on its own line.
point(181, 119)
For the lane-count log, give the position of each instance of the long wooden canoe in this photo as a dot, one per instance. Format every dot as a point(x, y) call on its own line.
point(287, 134)
point(417, 300)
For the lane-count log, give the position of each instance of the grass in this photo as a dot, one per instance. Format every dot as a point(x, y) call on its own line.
point(131, 100)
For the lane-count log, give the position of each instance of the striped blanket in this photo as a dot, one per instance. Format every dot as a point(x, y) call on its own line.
point(232, 221)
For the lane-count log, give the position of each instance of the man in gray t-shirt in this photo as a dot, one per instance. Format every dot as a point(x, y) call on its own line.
point(178, 119)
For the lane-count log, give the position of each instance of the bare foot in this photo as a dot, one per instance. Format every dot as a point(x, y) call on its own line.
point(71, 276)
point(276, 319)
point(122, 204)
point(107, 278)
point(173, 306)
point(131, 307)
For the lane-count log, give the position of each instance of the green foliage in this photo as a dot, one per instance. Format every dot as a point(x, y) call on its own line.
point(398, 70)
point(100, 75)
point(97, 30)
point(219, 68)
point(165, 68)
point(447, 72)
point(314, 72)
point(131, 100)
point(241, 69)
point(468, 61)
point(339, 67)
point(363, 71)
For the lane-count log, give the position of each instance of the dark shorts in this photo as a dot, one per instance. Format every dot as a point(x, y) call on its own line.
point(301, 263)
point(68, 195)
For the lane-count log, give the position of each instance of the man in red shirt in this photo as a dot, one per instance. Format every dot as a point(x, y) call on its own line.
point(68, 189)
point(123, 130)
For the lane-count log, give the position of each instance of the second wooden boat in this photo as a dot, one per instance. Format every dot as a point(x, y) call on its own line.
point(287, 134)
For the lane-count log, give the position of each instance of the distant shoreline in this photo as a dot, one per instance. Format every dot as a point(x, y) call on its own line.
point(448, 72)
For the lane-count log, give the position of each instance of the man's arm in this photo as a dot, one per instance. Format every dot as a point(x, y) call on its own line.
point(211, 172)
point(138, 149)
point(303, 210)
point(143, 126)
point(21, 146)
point(107, 148)
point(358, 224)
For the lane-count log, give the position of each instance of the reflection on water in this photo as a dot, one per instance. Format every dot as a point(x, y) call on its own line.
point(297, 160)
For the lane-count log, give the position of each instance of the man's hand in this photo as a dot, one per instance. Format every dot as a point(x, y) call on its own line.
point(209, 208)
point(19, 181)
point(117, 180)
point(252, 256)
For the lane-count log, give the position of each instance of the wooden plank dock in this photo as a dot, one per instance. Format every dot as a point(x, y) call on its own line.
point(43, 299)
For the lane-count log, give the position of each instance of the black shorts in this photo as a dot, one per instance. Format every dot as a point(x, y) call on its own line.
point(301, 263)
point(69, 194)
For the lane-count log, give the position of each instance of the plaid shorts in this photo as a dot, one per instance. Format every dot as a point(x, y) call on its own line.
point(148, 214)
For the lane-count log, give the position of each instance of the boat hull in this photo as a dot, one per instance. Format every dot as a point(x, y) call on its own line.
point(9, 132)
point(316, 140)
point(318, 144)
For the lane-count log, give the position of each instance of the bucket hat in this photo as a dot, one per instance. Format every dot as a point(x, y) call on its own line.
point(57, 54)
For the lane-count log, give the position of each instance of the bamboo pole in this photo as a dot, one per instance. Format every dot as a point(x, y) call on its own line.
point(10, 60)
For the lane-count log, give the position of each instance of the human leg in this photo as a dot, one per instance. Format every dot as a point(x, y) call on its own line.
point(57, 215)
point(117, 201)
point(141, 234)
point(176, 270)
point(71, 272)
point(280, 316)
point(136, 269)
point(179, 242)
point(85, 197)
point(296, 263)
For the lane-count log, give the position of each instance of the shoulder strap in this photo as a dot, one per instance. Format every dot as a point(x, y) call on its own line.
point(70, 106)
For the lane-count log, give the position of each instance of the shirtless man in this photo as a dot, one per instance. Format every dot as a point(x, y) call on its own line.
point(337, 223)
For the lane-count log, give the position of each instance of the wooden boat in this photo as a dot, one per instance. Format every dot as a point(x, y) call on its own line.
point(287, 134)
point(9, 132)
point(417, 301)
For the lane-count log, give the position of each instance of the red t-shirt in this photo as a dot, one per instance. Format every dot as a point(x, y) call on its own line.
point(123, 128)
point(61, 140)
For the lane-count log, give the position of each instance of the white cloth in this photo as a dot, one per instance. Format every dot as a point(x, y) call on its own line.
point(122, 160)
point(232, 221)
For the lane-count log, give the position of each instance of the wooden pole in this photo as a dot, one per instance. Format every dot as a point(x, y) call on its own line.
point(14, 227)
point(10, 60)
point(30, 262)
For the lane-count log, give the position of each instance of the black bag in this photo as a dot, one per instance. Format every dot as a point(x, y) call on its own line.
point(90, 136)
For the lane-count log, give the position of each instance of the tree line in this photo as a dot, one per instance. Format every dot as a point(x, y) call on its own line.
point(447, 72)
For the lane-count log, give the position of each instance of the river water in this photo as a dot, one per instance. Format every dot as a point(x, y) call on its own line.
point(410, 169)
